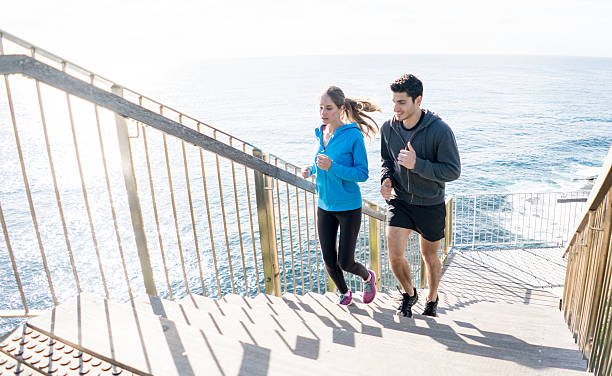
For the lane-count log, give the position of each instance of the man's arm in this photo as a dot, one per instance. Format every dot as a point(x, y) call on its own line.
point(387, 162)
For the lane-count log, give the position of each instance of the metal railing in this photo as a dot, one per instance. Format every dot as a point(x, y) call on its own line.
point(96, 177)
point(107, 191)
point(587, 295)
point(515, 219)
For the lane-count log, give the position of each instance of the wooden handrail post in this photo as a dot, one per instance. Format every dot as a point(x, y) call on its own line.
point(267, 229)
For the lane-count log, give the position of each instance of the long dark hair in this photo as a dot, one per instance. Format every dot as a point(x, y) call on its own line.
point(355, 110)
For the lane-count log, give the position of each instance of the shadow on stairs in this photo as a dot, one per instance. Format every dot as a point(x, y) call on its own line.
point(499, 334)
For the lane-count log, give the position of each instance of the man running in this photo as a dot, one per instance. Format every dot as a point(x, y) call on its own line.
point(419, 155)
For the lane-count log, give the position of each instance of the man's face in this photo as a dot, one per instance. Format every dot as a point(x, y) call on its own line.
point(404, 107)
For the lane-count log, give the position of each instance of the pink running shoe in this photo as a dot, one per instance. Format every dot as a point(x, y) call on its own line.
point(346, 299)
point(369, 290)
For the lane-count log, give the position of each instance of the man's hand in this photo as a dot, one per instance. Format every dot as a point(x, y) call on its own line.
point(386, 189)
point(306, 172)
point(407, 158)
point(323, 162)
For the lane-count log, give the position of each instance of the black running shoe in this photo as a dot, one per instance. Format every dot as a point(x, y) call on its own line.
point(431, 308)
point(405, 309)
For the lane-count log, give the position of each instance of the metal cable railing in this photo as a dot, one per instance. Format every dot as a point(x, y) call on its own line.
point(515, 219)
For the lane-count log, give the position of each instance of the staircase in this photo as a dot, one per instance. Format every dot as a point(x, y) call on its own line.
point(492, 321)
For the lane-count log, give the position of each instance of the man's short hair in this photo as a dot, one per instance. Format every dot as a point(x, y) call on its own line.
point(408, 84)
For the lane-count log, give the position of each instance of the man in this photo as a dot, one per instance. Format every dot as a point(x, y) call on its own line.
point(419, 155)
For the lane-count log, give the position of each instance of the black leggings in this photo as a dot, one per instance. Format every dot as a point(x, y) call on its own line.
point(344, 259)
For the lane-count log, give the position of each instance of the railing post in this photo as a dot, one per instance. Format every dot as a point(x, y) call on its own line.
point(474, 225)
point(423, 274)
point(375, 246)
point(267, 229)
point(587, 251)
point(133, 201)
point(332, 285)
point(448, 229)
point(599, 276)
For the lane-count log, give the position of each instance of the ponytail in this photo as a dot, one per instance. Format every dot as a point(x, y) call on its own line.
point(355, 111)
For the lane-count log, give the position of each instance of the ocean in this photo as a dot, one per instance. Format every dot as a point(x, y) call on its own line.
point(522, 124)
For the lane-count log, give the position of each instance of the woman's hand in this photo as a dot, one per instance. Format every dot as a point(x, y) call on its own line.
point(323, 162)
point(306, 172)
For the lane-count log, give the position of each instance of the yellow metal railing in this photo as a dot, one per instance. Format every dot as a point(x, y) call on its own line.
point(587, 296)
point(107, 191)
point(96, 177)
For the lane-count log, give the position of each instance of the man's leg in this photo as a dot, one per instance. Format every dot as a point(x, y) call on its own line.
point(432, 265)
point(397, 238)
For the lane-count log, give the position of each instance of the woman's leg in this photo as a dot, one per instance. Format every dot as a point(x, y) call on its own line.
point(350, 222)
point(327, 224)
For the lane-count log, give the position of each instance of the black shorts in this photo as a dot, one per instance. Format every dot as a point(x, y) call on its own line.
point(429, 221)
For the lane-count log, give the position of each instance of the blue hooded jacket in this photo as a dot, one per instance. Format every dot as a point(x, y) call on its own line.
point(337, 187)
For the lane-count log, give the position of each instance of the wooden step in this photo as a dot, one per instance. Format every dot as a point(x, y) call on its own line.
point(384, 326)
point(508, 332)
point(155, 345)
point(383, 342)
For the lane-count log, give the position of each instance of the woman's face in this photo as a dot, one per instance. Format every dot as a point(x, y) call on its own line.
point(329, 112)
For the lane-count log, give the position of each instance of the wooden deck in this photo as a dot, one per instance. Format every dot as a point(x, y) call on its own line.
point(498, 315)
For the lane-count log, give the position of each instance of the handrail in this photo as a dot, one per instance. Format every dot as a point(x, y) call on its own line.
point(22, 64)
point(587, 291)
point(596, 197)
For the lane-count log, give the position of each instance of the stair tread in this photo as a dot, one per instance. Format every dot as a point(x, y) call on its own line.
point(156, 345)
point(129, 325)
point(386, 342)
point(393, 328)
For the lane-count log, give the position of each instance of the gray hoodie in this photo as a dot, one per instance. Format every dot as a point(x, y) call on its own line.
point(437, 159)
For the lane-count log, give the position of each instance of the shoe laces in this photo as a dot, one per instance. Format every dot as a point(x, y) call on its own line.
point(404, 302)
point(401, 296)
point(430, 304)
point(347, 295)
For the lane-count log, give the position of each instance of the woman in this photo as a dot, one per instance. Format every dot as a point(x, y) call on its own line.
point(340, 163)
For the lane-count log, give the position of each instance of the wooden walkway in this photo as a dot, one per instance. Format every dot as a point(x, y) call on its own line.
point(498, 315)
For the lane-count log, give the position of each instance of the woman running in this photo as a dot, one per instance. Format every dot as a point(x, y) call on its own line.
point(341, 161)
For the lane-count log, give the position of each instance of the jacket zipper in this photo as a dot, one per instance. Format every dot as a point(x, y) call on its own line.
point(406, 145)
point(324, 148)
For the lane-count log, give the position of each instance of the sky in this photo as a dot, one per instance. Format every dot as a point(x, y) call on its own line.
point(134, 35)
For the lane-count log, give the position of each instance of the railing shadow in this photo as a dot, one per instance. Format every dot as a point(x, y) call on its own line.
point(490, 344)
